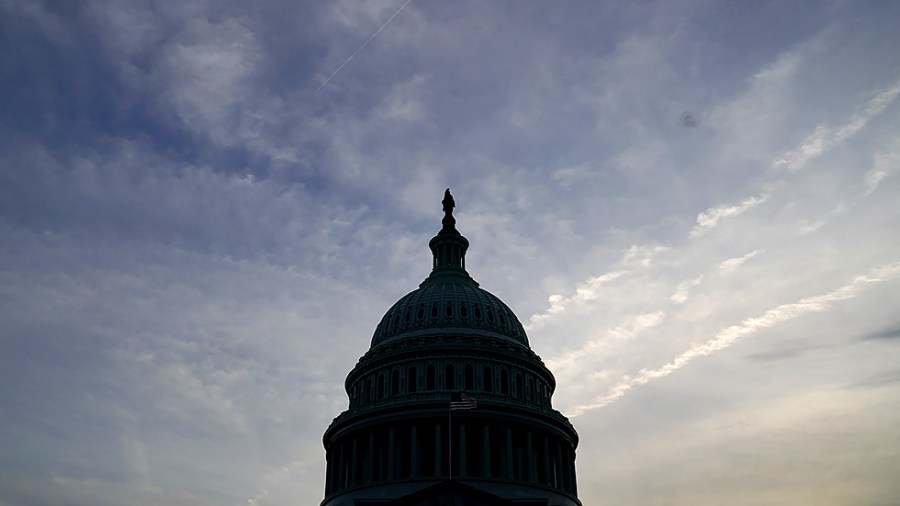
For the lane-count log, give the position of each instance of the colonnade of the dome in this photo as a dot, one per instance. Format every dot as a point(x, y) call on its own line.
point(423, 379)
point(482, 449)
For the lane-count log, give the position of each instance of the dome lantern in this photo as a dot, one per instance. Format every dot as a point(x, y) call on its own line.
point(448, 247)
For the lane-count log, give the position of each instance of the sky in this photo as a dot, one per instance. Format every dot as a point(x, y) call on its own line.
point(207, 206)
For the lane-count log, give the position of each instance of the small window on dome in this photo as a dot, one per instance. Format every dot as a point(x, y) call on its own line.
point(490, 314)
point(463, 311)
point(420, 314)
point(477, 312)
point(407, 316)
point(449, 310)
point(434, 311)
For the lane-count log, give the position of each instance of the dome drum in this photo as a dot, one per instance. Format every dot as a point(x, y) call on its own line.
point(417, 449)
point(415, 377)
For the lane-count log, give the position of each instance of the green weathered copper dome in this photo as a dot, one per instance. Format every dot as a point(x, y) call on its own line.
point(449, 304)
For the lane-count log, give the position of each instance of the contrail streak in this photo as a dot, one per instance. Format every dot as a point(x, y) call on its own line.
point(730, 335)
point(364, 44)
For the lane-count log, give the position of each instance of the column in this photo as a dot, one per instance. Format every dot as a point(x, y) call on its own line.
point(413, 453)
point(486, 452)
point(354, 463)
point(380, 457)
point(462, 450)
point(391, 454)
point(529, 448)
point(547, 470)
point(509, 454)
point(370, 462)
point(400, 453)
point(560, 476)
point(339, 474)
point(438, 457)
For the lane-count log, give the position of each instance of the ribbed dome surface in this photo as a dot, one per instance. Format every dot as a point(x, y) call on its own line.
point(445, 303)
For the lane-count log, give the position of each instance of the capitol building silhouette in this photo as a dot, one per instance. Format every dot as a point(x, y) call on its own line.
point(450, 406)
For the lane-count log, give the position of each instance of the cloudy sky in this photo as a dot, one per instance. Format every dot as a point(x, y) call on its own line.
point(206, 207)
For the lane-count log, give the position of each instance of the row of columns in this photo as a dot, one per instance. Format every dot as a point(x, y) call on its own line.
point(419, 451)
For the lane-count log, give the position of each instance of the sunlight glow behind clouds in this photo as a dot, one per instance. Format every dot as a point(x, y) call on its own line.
point(711, 217)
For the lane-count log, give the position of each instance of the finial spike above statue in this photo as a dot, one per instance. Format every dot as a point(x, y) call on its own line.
point(449, 222)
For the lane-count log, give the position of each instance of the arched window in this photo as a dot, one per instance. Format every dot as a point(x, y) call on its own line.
point(395, 382)
point(450, 377)
point(470, 377)
point(504, 381)
point(487, 379)
point(379, 388)
point(429, 377)
point(411, 382)
point(518, 393)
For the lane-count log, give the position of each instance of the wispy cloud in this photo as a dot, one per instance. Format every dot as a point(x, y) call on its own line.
point(682, 292)
point(732, 264)
point(642, 256)
point(635, 258)
point(748, 327)
point(586, 291)
point(597, 347)
point(823, 138)
point(886, 163)
point(711, 217)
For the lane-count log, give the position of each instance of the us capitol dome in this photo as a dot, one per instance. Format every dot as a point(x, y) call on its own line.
point(450, 406)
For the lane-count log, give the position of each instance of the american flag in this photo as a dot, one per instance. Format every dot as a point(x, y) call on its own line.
point(462, 401)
